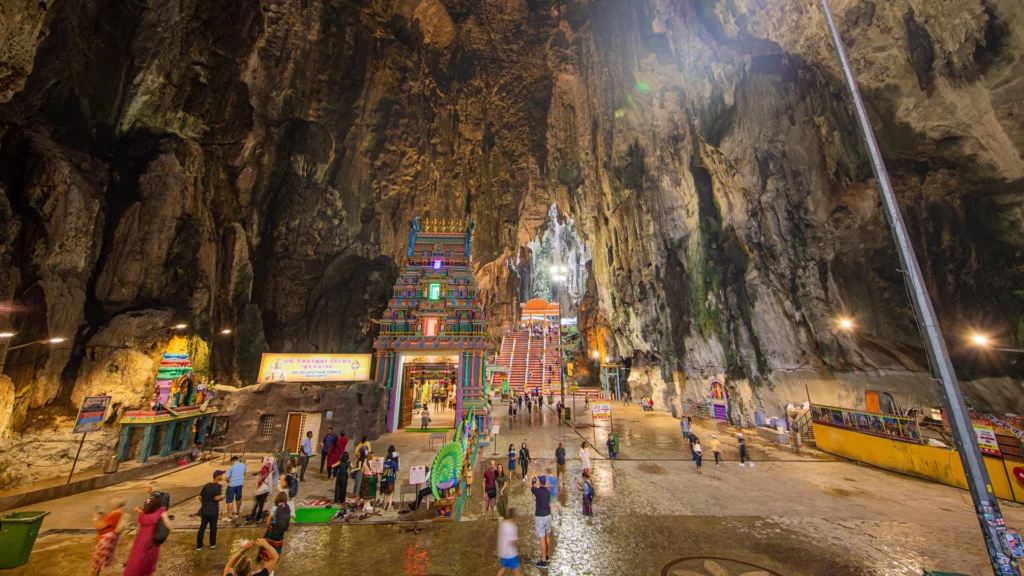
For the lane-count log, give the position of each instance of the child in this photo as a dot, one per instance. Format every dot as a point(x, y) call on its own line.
point(584, 485)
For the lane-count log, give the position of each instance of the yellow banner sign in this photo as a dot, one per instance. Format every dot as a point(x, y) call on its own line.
point(314, 367)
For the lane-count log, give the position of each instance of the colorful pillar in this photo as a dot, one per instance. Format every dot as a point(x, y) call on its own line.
point(204, 423)
point(148, 440)
point(126, 438)
point(170, 429)
point(184, 437)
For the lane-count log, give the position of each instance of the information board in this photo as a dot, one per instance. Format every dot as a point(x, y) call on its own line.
point(986, 438)
point(601, 410)
point(314, 367)
point(418, 475)
point(91, 413)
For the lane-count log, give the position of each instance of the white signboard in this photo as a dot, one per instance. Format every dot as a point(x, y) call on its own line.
point(418, 475)
point(495, 429)
point(601, 410)
point(377, 465)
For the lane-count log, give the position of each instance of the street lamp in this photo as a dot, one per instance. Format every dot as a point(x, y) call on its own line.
point(54, 340)
point(982, 341)
point(226, 331)
point(986, 506)
point(6, 334)
point(846, 323)
point(180, 326)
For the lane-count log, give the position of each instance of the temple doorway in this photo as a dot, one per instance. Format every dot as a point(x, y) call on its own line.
point(429, 382)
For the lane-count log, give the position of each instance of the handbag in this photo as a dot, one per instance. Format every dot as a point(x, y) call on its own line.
point(161, 532)
point(492, 492)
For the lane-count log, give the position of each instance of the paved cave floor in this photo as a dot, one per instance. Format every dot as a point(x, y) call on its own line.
point(794, 513)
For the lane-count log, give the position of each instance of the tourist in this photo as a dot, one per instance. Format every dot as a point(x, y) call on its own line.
point(684, 426)
point(490, 490)
point(341, 479)
point(501, 480)
point(524, 459)
point(560, 463)
point(423, 493)
point(698, 454)
point(393, 454)
point(263, 489)
point(342, 443)
point(332, 458)
point(542, 517)
point(305, 452)
point(197, 452)
point(291, 486)
point(529, 407)
point(369, 481)
point(146, 550)
point(388, 479)
point(512, 460)
point(511, 409)
point(281, 464)
point(362, 450)
point(611, 447)
point(235, 478)
point(357, 477)
point(585, 457)
point(241, 565)
point(693, 440)
point(551, 481)
point(424, 418)
point(508, 537)
point(743, 450)
point(325, 449)
point(109, 528)
point(714, 447)
point(584, 485)
point(278, 522)
point(209, 509)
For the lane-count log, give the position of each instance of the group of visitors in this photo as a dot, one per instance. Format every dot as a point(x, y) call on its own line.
point(693, 442)
point(647, 404)
point(154, 526)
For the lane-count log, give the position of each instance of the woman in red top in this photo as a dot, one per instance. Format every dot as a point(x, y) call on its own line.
point(108, 534)
point(145, 552)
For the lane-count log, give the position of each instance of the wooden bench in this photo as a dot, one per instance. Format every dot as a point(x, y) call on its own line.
point(237, 447)
point(442, 436)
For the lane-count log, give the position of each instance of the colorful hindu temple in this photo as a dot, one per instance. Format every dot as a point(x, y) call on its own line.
point(435, 318)
point(179, 413)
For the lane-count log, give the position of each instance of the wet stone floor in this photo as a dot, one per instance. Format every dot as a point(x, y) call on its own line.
point(799, 513)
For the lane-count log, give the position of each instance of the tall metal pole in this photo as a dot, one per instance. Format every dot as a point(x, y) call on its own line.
point(986, 505)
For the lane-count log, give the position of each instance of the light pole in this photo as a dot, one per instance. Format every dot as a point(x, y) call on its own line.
point(54, 340)
point(982, 341)
point(986, 505)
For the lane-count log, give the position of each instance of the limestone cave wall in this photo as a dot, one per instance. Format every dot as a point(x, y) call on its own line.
point(253, 165)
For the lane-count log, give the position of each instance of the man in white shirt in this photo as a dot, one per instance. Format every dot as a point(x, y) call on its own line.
point(508, 537)
point(305, 451)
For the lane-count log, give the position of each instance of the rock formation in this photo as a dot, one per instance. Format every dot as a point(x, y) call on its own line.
point(252, 165)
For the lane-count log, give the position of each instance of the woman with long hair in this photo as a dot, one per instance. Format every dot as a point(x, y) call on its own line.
point(501, 481)
point(512, 461)
point(341, 479)
point(145, 550)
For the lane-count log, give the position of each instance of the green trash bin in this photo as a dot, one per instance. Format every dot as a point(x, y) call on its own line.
point(567, 416)
point(615, 441)
point(18, 531)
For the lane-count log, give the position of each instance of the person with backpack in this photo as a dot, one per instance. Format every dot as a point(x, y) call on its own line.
point(388, 479)
point(154, 528)
point(263, 489)
point(584, 485)
point(209, 509)
point(291, 481)
point(278, 522)
point(109, 528)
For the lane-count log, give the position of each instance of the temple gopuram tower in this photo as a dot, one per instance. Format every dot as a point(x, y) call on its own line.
point(435, 318)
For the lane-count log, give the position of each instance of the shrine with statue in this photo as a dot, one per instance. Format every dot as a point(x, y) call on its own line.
point(435, 318)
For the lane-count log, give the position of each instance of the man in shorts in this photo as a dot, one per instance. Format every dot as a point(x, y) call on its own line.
point(560, 463)
point(542, 516)
point(508, 537)
point(235, 478)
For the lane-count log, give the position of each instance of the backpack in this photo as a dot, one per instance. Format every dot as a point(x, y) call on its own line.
point(282, 519)
point(293, 485)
